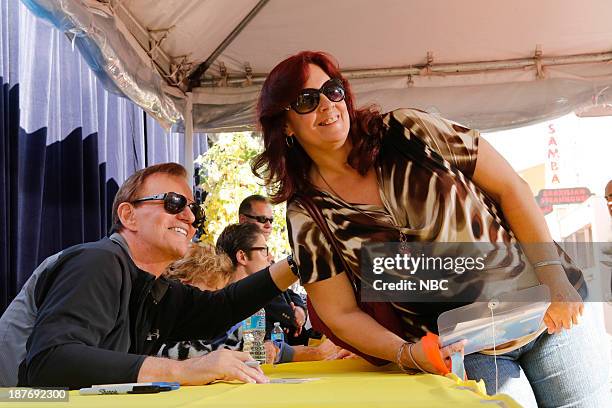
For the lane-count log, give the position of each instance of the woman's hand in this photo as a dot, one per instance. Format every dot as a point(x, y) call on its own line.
point(565, 309)
point(418, 353)
point(496, 177)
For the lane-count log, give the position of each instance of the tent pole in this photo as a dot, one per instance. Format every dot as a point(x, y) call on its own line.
point(188, 148)
point(194, 78)
point(445, 69)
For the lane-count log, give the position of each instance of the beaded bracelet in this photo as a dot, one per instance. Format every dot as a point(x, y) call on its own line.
point(398, 357)
point(546, 263)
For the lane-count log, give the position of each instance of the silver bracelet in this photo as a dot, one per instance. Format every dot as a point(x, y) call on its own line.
point(546, 263)
point(413, 359)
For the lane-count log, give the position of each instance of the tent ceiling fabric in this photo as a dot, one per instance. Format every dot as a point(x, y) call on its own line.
point(395, 33)
point(173, 37)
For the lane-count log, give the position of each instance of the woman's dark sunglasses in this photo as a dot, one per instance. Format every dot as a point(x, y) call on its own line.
point(174, 203)
point(308, 99)
point(259, 218)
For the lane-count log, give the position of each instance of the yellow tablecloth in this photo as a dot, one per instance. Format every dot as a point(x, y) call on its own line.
point(345, 383)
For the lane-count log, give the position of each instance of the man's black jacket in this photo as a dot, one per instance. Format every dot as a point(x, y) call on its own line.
point(99, 315)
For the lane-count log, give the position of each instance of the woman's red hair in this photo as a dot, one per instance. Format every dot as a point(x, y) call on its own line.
point(286, 169)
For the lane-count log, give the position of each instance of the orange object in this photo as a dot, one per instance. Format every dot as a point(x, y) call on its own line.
point(431, 348)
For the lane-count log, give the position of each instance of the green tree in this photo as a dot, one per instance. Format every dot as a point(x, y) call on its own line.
point(227, 178)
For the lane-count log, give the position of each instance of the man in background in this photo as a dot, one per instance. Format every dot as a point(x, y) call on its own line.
point(256, 209)
point(246, 247)
point(288, 308)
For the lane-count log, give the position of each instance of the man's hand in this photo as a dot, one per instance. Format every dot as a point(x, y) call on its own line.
point(271, 352)
point(219, 365)
point(327, 350)
point(300, 318)
point(344, 354)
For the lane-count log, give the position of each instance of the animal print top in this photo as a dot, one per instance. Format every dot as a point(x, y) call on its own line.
point(181, 350)
point(427, 193)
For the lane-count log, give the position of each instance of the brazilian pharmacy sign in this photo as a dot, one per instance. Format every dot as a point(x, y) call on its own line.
point(548, 197)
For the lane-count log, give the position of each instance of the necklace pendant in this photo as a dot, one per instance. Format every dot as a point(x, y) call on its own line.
point(404, 245)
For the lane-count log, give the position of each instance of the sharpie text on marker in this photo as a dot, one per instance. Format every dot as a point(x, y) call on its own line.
point(123, 389)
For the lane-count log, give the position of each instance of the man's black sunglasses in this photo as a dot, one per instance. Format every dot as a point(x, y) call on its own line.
point(174, 203)
point(308, 99)
point(260, 218)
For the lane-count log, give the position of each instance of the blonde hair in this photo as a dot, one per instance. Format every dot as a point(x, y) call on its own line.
point(202, 264)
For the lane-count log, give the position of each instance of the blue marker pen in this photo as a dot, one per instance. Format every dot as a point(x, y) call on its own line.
point(173, 385)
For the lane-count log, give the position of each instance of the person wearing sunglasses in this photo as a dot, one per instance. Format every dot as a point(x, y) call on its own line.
point(92, 313)
point(175, 203)
point(246, 247)
point(256, 209)
point(288, 308)
point(356, 176)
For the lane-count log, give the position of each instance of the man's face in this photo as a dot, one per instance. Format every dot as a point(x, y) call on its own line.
point(166, 234)
point(259, 208)
point(257, 256)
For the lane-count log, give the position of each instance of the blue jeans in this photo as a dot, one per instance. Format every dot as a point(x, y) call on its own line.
point(568, 369)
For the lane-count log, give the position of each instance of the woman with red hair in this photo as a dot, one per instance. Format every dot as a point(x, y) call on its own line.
point(442, 184)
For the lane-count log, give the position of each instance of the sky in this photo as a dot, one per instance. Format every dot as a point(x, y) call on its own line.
point(585, 149)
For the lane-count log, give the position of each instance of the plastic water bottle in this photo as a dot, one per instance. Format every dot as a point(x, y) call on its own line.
point(253, 334)
point(277, 336)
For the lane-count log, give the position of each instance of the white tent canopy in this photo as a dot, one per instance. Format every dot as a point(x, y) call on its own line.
point(489, 64)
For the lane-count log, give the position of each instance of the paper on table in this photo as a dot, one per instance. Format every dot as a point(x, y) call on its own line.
point(291, 380)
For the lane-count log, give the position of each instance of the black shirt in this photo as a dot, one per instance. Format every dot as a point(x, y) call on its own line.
point(99, 314)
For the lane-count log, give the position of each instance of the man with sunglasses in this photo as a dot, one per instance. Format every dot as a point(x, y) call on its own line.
point(256, 209)
point(92, 313)
point(288, 308)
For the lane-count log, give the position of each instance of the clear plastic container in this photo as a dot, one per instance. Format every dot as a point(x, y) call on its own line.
point(515, 315)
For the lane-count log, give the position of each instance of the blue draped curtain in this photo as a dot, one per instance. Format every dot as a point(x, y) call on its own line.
point(66, 146)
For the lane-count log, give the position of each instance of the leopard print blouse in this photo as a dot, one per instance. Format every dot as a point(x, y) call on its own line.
point(427, 194)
